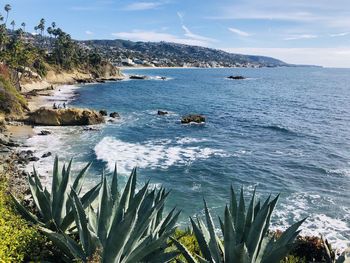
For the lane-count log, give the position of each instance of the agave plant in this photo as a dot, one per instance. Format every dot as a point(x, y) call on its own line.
point(127, 227)
point(246, 236)
point(55, 208)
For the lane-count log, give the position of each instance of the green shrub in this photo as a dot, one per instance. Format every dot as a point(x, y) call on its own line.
point(11, 101)
point(19, 242)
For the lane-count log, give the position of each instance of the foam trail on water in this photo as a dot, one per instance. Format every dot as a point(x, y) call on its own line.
point(150, 154)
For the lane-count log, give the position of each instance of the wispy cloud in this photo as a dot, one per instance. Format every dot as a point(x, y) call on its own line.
point(143, 6)
point(239, 32)
point(340, 34)
point(302, 36)
point(189, 34)
point(154, 36)
point(88, 32)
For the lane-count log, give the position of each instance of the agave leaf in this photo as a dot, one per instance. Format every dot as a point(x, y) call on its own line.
point(114, 187)
point(201, 241)
point(118, 237)
point(256, 234)
point(272, 207)
point(79, 180)
point(229, 237)
point(233, 204)
point(86, 200)
point(40, 200)
point(240, 254)
point(277, 254)
point(56, 178)
point(266, 242)
point(184, 251)
point(59, 198)
point(289, 235)
point(240, 219)
point(69, 248)
point(213, 245)
point(256, 209)
point(26, 214)
point(104, 211)
point(250, 216)
point(82, 224)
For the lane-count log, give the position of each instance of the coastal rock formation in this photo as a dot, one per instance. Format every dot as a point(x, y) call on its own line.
point(44, 132)
point(236, 77)
point(114, 115)
point(65, 117)
point(193, 118)
point(161, 113)
point(103, 112)
point(137, 77)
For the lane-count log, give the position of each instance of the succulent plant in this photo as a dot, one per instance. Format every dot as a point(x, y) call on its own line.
point(127, 227)
point(246, 236)
point(55, 208)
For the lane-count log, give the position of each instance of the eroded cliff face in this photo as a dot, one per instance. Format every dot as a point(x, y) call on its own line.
point(65, 117)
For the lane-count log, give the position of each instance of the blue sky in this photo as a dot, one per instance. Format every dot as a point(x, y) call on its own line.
point(296, 31)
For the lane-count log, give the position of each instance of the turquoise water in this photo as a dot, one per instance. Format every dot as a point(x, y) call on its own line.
point(284, 130)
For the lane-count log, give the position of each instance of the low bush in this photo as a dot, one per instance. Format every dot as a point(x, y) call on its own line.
point(18, 241)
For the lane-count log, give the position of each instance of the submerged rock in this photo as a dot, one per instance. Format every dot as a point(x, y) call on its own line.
point(137, 77)
point(114, 115)
point(236, 77)
point(65, 117)
point(162, 112)
point(193, 118)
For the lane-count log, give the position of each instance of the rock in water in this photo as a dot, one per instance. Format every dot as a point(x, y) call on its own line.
point(162, 113)
point(45, 155)
point(43, 132)
point(193, 118)
point(103, 112)
point(236, 77)
point(114, 115)
point(65, 117)
point(137, 77)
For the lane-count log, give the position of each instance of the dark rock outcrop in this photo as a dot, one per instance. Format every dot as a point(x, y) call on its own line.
point(236, 77)
point(114, 115)
point(137, 77)
point(196, 118)
point(65, 117)
point(44, 132)
point(161, 113)
point(45, 155)
point(103, 112)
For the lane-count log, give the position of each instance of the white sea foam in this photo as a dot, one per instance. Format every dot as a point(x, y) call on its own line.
point(299, 205)
point(150, 154)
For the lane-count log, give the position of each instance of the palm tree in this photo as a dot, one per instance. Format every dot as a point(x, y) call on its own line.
point(24, 26)
point(7, 10)
point(36, 30)
point(13, 23)
point(53, 24)
point(1, 17)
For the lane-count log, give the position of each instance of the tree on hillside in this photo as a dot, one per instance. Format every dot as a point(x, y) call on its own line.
point(7, 9)
point(13, 23)
point(23, 26)
point(1, 18)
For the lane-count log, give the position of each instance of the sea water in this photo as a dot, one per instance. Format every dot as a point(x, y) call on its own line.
point(282, 130)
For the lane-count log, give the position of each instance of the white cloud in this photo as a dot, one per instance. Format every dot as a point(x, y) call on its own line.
point(191, 35)
point(340, 34)
point(153, 36)
point(143, 6)
point(327, 57)
point(88, 32)
point(239, 32)
point(302, 36)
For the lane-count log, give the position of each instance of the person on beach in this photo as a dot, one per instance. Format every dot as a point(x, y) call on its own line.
point(64, 105)
point(54, 106)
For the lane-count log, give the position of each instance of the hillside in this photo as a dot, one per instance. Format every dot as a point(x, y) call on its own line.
point(123, 52)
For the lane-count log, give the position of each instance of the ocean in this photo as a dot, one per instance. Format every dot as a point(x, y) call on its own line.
point(282, 130)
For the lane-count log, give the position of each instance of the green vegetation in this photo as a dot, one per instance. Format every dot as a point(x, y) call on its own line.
point(246, 236)
point(11, 101)
point(55, 209)
point(19, 242)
